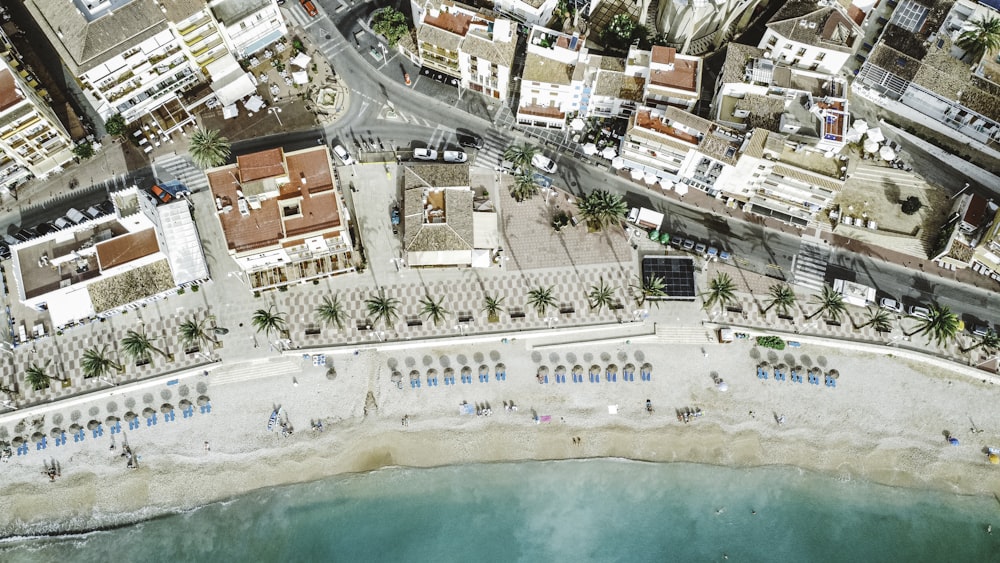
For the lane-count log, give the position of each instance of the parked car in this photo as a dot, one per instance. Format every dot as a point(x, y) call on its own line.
point(309, 7)
point(713, 252)
point(62, 223)
point(9, 240)
point(700, 248)
point(920, 312)
point(394, 219)
point(425, 154)
point(688, 244)
point(469, 139)
point(343, 155)
point(890, 304)
point(26, 234)
point(633, 215)
point(94, 212)
point(4, 252)
point(543, 163)
point(45, 228)
point(107, 207)
point(161, 194)
point(725, 255)
point(980, 330)
point(455, 156)
point(76, 215)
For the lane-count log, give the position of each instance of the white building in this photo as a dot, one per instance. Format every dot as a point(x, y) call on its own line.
point(531, 12)
point(699, 26)
point(671, 79)
point(552, 83)
point(470, 47)
point(33, 142)
point(249, 25)
point(146, 251)
point(809, 107)
point(811, 34)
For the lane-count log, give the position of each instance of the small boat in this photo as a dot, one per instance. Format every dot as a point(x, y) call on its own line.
point(273, 419)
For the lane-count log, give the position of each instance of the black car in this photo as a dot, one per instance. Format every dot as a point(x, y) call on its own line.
point(4, 251)
point(106, 207)
point(25, 235)
point(45, 228)
point(469, 139)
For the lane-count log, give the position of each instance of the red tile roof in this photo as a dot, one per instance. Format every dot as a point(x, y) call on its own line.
point(8, 93)
point(263, 164)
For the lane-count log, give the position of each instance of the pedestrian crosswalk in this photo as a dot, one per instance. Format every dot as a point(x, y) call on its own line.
point(809, 267)
point(491, 155)
point(296, 15)
point(180, 168)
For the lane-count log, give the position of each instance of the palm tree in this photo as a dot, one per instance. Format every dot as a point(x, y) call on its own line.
point(981, 37)
point(879, 319)
point(782, 297)
point(831, 303)
point(97, 363)
point(721, 290)
point(138, 346)
point(524, 187)
point(493, 306)
point(331, 312)
point(941, 324)
point(268, 321)
point(601, 208)
point(193, 332)
point(601, 295)
point(520, 155)
point(37, 376)
point(541, 299)
point(652, 286)
point(989, 342)
point(432, 309)
point(383, 308)
point(208, 148)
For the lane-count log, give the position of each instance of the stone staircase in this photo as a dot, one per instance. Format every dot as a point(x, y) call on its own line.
point(683, 334)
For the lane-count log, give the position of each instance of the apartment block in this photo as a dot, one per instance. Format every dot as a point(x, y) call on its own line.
point(530, 12)
point(917, 72)
point(249, 25)
point(33, 142)
point(471, 47)
point(552, 83)
point(671, 79)
point(145, 251)
point(282, 216)
point(808, 106)
point(967, 236)
point(814, 35)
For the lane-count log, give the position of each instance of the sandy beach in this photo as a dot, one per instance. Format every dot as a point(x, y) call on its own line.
point(885, 422)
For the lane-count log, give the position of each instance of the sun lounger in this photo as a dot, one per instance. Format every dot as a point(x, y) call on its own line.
point(41, 445)
point(133, 424)
point(645, 375)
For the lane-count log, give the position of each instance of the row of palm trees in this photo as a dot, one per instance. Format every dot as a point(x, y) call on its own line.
point(941, 325)
point(136, 345)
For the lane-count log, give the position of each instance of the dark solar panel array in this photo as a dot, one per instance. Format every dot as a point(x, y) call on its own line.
point(677, 273)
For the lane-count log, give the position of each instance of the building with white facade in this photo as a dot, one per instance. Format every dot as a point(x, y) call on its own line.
point(146, 251)
point(967, 233)
point(282, 216)
point(671, 79)
point(699, 26)
point(552, 82)
point(916, 64)
point(811, 34)
point(808, 106)
point(33, 142)
point(531, 12)
point(469, 46)
point(249, 25)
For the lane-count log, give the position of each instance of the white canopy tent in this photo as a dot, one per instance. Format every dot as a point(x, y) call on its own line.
point(618, 163)
point(875, 134)
point(681, 188)
point(637, 174)
point(301, 60)
point(609, 153)
point(590, 149)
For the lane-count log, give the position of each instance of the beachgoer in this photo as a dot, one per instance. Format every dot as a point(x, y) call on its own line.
point(207, 448)
point(781, 419)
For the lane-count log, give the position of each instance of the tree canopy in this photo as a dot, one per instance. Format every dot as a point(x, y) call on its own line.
point(391, 24)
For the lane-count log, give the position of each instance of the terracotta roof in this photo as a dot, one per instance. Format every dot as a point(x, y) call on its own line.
point(646, 121)
point(8, 92)
point(259, 229)
point(663, 55)
point(684, 76)
point(457, 23)
point(126, 248)
point(308, 172)
point(258, 165)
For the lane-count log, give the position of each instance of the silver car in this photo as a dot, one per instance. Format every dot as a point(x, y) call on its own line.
point(455, 156)
point(425, 154)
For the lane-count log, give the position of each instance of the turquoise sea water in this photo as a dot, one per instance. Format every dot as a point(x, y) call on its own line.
point(595, 510)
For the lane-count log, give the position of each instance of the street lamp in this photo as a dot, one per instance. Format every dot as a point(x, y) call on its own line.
point(275, 111)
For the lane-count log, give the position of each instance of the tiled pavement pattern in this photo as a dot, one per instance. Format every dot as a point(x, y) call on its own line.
point(64, 353)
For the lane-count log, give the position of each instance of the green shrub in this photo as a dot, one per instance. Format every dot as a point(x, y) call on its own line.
point(771, 342)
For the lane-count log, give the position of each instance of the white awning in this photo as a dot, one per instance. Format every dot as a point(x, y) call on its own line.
point(254, 103)
point(681, 188)
point(229, 82)
point(300, 77)
point(481, 258)
point(71, 305)
point(301, 60)
point(230, 111)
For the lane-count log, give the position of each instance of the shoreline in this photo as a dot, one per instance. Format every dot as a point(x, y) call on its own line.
point(882, 427)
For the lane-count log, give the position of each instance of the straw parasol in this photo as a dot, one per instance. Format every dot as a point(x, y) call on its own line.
point(613, 369)
point(130, 416)
point(111, 420)
point(93, 424)
point(148, 412)
point(74, 428)
point(484, 370)
point(414, 375)
point(17, 441)
point(815, 371)
point(203, 400)
point(595, 370)
point(37, 437)
point(629, 368)
point(166, 407)
point(449, 372)
point(501, 367)
point(184, 404)
point(578, 370)
point(466, 371)
point(543, 371)
point(647, 367)
point(331, 373)
point(560, 370)
point(56, 432)
point(834, 374)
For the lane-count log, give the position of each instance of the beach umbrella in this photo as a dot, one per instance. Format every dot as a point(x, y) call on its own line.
point(111, 420)
point(650, 178)
point(637, 174)
point(17, 441)
point(414, 375)
point(722, 386)
point(148, 412)
point(93, 424)
point(129, 416)
point(203, 400)
point(887, 153)
point(860, 125)
point(56, 432)
point(609, 153)
point(37, 437)
point(654, 235)
point(665, 238)
point(166, 407)
point(590, 149)
point(331, 373)
point(560, 370)
point(184, 404)
point(681, 188)
point(74, 428)
point(618, 163)
point(543, 371)
point(577, 124)
point(871, 146)
point(578, 370)
point(834, 374)
point(994, 459)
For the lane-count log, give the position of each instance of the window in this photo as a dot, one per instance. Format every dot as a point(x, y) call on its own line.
point(820, 56)
point(801, 52)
